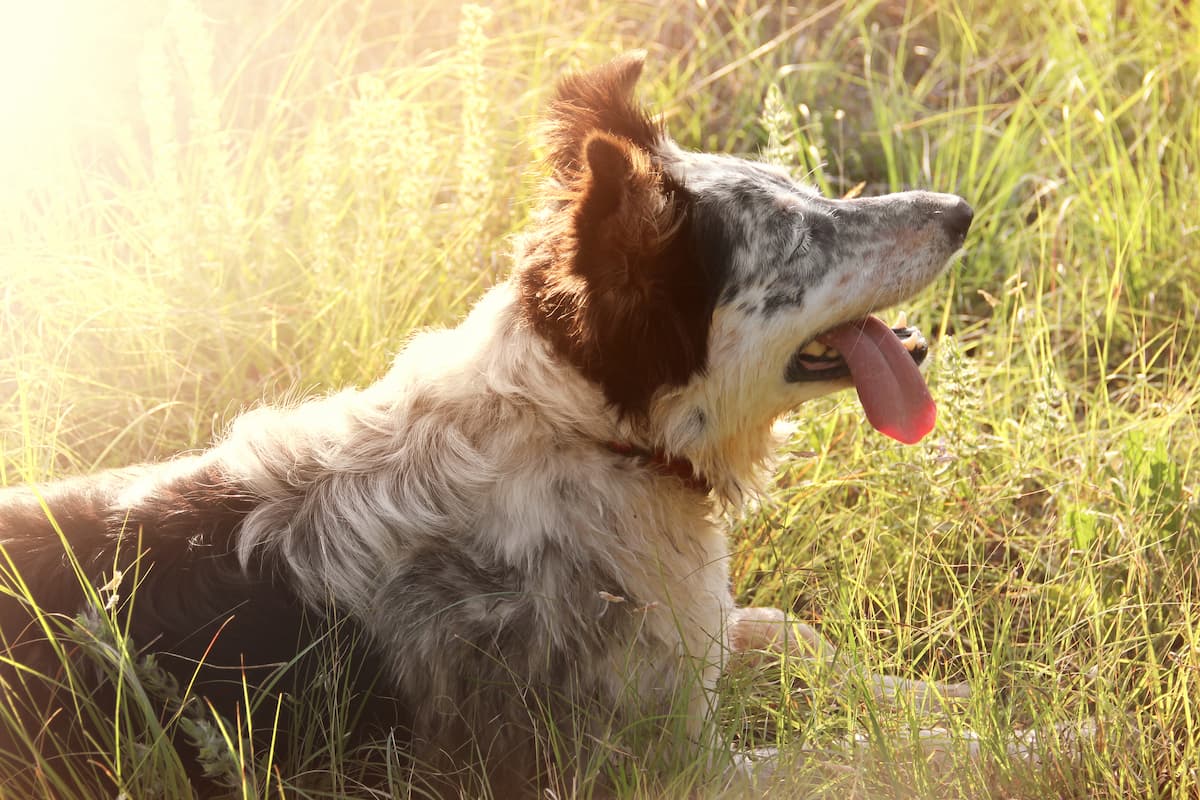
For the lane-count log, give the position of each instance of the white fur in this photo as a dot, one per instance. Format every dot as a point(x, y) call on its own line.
point(471, 430)
point(482, 439)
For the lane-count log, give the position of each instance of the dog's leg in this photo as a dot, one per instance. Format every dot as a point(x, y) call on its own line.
point(768, 630)
point(758, 631)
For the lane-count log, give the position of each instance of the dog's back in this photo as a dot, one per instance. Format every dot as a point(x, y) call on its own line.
point(172, 540)
point(101, 571)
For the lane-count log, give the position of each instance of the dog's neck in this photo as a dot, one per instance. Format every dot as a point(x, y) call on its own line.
point(660, 461)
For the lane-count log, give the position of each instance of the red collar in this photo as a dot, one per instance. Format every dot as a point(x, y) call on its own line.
point(681, 468)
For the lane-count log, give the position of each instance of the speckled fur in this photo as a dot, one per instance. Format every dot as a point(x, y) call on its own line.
point(466, 514)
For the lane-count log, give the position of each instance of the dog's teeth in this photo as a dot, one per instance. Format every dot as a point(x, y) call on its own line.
point(913, 342)
point(814, 348)
point(901, 320)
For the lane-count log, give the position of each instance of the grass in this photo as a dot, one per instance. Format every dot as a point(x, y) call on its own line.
point(279, 199)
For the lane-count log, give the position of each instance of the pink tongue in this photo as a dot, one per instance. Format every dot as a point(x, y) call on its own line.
point(889, 385)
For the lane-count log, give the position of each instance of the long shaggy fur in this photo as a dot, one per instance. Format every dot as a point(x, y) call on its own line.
point(490, 526)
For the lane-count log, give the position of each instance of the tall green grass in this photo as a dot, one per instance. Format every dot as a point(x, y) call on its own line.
point(284, 196)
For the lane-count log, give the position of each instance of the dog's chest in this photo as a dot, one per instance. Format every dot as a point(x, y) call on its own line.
point(621, 546)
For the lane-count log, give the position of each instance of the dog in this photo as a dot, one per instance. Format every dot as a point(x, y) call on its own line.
point(521, 521)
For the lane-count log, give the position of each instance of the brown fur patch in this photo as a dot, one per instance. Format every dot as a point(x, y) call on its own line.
point(613, 281)
point(598, 100)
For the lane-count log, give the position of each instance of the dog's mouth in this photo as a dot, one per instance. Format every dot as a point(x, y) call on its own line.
point(882, 361)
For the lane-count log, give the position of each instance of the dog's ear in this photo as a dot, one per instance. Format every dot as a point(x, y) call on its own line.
point(611, 164)
point(621, 212)
point(640, 307)
point(599, 100)
point(616, 286)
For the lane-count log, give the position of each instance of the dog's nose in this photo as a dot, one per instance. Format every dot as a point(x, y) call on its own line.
point(957, 218)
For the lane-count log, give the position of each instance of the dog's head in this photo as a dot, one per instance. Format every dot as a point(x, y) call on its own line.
point(714, 292)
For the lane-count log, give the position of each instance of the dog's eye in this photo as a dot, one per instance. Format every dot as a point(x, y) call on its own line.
point(803, 239)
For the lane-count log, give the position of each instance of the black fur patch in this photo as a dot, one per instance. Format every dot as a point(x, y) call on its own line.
point(780, 300)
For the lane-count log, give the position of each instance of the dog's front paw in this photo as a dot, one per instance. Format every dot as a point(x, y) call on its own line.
point(768, 630)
